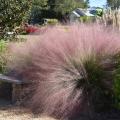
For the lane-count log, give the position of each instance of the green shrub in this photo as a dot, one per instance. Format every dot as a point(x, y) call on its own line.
point(99, 12)
point(2, 46)
point(86, 19)
point(117, 90)
point(116, 87)
point(95, 86)
point(12, 13)
point(3, 55)
point(52, 21)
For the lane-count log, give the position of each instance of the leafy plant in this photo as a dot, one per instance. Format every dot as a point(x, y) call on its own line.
point(52, 21)
point(66, 6)
point(87, 19)
point(113, 3)
point(3, 55)
point(116, 87)
point(12, 13)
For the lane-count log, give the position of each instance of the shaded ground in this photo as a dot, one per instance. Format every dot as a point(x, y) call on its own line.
point(10, 112)
point(4, 103)
point(17, 113)
point(108, 115)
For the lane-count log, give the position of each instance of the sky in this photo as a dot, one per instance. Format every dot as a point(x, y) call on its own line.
point(97, 3)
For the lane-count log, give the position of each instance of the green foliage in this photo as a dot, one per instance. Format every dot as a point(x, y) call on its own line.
point(54, 8)
point(99, 12)
point(3, 55)
point(52, 21)
point(93, 84)
point(94, 70)
point(95, 73)
point(96, 86)
point(87, 19)
point(66, 6)
point(116, 87)
point(40, 3)
point(36, 10)
point(2, 46)
point(12, 13)
point(113, 3)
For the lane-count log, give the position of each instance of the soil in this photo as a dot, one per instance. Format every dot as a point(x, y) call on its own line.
point(12, 112)
point(17, 113)
point(106, 115)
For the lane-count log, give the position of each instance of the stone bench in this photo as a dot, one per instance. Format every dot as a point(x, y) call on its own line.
point(17, 86)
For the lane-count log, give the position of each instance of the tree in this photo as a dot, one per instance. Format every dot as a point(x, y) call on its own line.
point(113, 3)
point(12, 12)
point(54, 8)
point(66, 6)
point(37, 8)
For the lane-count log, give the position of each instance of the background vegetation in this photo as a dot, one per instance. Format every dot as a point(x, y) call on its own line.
point(12, 13)
point(54, 8)
point(113, 3)
point(81, 69)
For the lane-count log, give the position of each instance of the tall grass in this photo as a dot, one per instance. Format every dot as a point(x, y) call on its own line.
point(3, 55)
point(66, 68)
point(112, 17)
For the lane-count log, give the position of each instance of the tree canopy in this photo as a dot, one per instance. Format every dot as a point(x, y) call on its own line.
point(12, 12)
point(54, 8)
point(66, 6)
point(113, 3)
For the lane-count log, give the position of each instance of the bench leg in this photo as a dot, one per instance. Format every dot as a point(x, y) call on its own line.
point(16, 93)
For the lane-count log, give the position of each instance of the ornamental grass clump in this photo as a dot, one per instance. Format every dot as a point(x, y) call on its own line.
point(69, 71)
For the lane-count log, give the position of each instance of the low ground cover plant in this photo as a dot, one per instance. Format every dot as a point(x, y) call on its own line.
point(3, 55)
point(70, 71)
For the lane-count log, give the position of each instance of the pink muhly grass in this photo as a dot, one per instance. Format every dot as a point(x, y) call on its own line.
point(55, 64)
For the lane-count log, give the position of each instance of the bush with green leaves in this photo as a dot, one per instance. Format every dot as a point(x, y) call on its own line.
point(12, 13)
point(116, 87)
point(54, 8)
point(87, 19)
point(3, 56)
point(113, 3)
point(51, 21)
